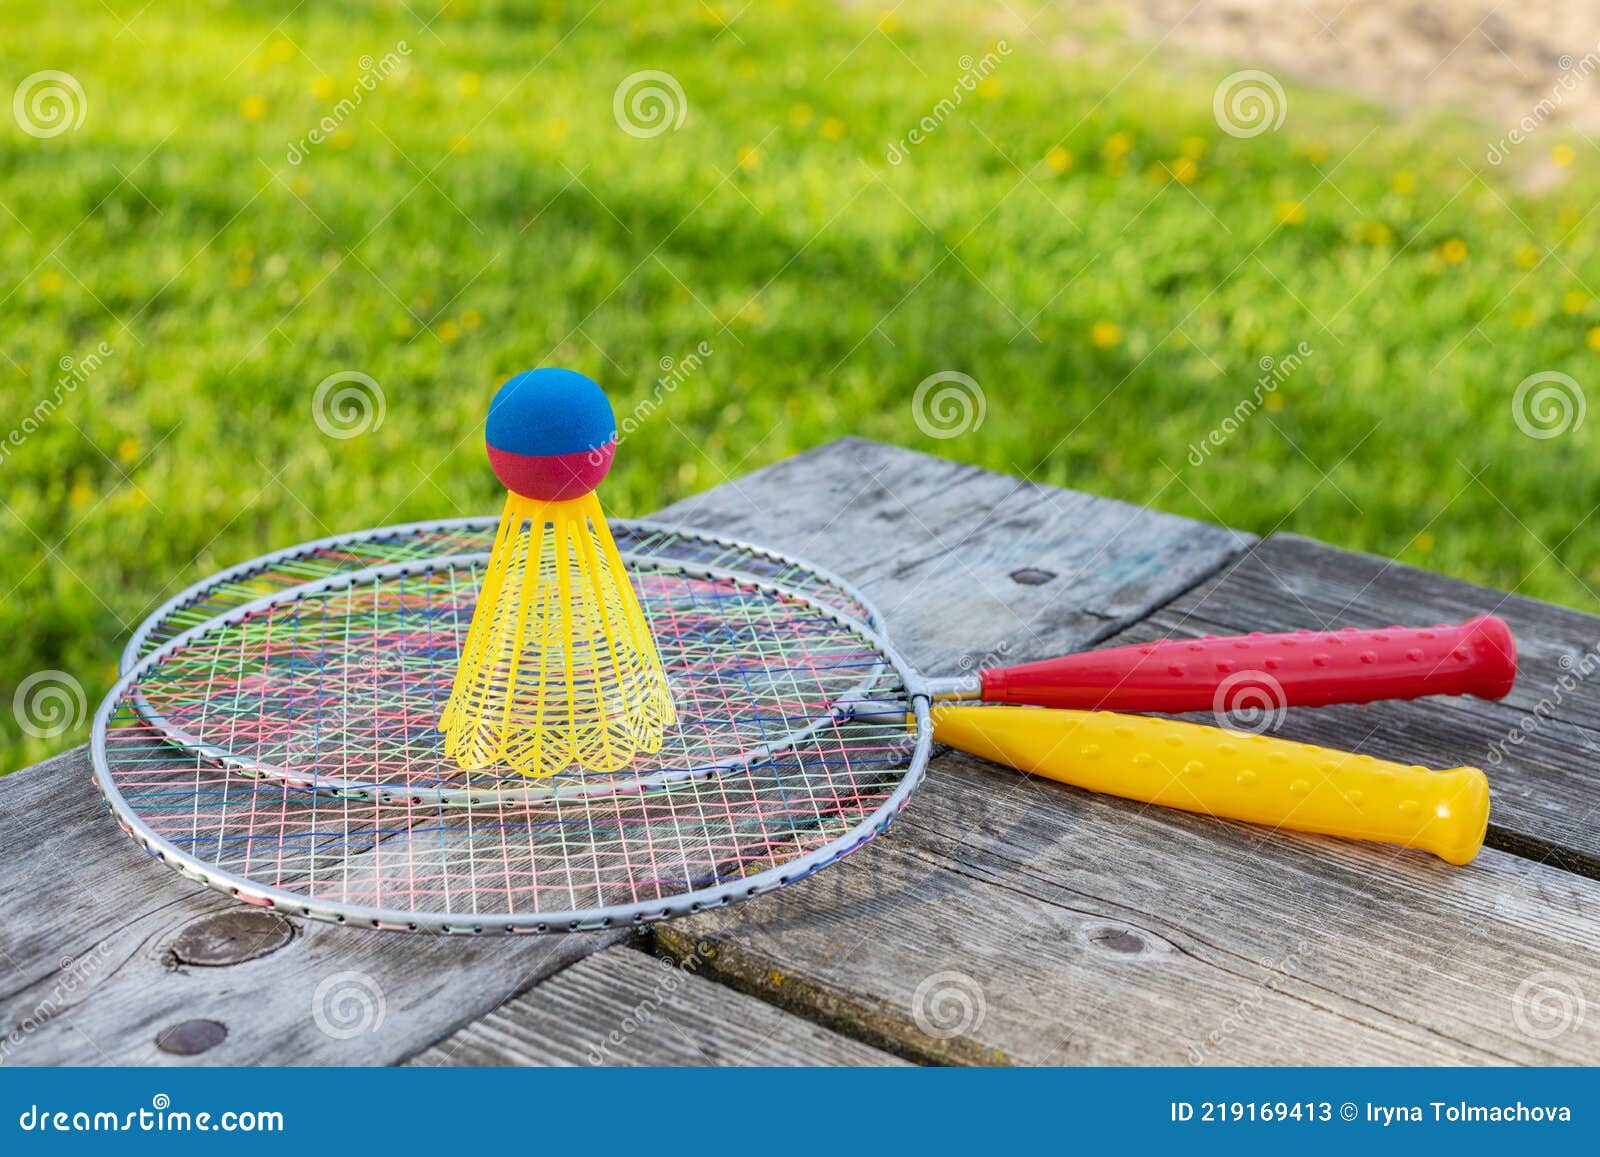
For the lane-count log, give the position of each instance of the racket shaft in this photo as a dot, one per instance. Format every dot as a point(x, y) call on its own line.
point(1232, 775)
point(1302, 669)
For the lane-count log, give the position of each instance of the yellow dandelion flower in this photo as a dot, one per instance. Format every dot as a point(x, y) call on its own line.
point(1454, 251)
point(322, 87)
point(1156, 173)
point(471, 319)
point(889, 21)
point(1403, 183)
point(1184, 170)
point(1576, 301)
point(460, 143)
point(1192, 147)
point(403, 327)
point(80, 494)
point(745, 68)
point(749, 158)
point(1569, 215)
point(1527, 256)
point(1316, 152)
point(989, 88)
point(300, 186)
point(1118, 144)
point(1104, 334)
point(253, 107)
point(1523, 317)
point(832, 128)
point(241, 276)
point(556, 129)
point(1423, 542)
point(1273, 402)
point(1376, 233)
point(1593, 339)
point(1562, 155)
point(468, 84)
point(127, 449)
point(751, 313)
point(50, 281)
point(448, 331)
point(1058, 159)
point(1290, 212)
point(281, 50)
point(801, 114)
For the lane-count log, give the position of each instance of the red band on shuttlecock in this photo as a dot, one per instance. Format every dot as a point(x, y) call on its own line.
point(552, 477)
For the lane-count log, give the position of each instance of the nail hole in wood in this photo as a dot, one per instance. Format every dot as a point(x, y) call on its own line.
point(190, 1038)
point(1031, 576)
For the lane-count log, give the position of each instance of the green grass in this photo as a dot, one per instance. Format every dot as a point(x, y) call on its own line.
point(483, 212)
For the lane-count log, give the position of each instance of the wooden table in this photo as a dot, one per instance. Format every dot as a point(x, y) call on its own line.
point(1049, 925)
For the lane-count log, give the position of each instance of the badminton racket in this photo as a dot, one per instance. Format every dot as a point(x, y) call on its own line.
point(792, 750)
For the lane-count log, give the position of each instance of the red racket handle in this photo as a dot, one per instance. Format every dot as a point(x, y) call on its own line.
point(1300, 669)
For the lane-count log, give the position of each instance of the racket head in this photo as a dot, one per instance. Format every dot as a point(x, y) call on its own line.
point(322, 558)
point(769, 778)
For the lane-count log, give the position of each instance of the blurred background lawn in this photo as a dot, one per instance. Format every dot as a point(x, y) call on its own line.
point(1079, 236)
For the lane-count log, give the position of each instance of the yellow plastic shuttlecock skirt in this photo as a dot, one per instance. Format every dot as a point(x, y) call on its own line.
point(559, 670)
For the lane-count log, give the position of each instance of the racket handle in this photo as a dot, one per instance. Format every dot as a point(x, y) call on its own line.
point(1232, 775)
point(1301, 669)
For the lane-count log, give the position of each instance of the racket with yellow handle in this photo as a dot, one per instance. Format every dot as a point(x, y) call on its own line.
point(1230, 775)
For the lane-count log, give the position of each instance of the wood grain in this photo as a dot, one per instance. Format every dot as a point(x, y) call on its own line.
point(932, 543)
point(1051, 926)
point(626, 1007)
point(106, 951)
point(1540, 745)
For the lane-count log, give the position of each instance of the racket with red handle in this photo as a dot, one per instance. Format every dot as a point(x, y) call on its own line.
point(1298, 669)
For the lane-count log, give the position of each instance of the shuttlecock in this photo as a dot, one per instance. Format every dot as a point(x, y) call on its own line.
point(559, 669)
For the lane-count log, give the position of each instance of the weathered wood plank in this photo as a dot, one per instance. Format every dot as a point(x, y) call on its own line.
point(147, 951)
point(1540, 746)
point(931, 541)
point(1035, 923)
point(626, 1007)
point(934, 540)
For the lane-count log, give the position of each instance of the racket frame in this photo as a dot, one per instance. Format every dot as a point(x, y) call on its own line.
point(525, 791)
point(136, 645)
point(638, 913)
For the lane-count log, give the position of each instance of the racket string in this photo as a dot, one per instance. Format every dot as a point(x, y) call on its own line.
point(345, 690)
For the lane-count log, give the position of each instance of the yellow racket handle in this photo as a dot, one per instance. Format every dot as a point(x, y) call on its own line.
point(1231, 775)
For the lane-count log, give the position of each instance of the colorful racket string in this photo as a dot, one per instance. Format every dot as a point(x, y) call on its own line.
point(207, 749)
